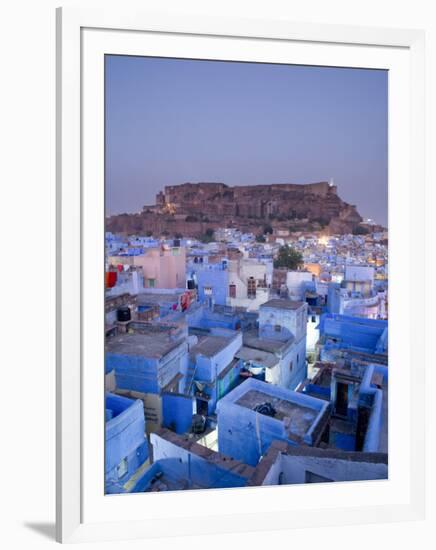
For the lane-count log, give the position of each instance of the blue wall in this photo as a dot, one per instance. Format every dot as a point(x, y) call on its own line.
point(177, 412)
point(246, 435)
point(145, 374)
point(134, 372)
point(361, 334)
point(126, 446)
point(218, 279)
point(179, 464)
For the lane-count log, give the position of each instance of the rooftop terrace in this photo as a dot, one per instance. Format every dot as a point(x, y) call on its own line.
point(155, 344)
point(283, 304)
point(210, 345)
point(252, 340)
point(299, 417)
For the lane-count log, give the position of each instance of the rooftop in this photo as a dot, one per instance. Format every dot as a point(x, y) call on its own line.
point(260, 357)
point(283, 304)
point(281, 447)
point(210, 345)
point(154, 344)
point(303, 418)
point(300, 418)
point(157, 298)
point(252, 340)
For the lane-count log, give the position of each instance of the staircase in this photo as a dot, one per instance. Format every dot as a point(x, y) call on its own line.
point(190, 373)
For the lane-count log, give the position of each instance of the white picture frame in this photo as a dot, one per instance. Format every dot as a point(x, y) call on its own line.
point(83, 37)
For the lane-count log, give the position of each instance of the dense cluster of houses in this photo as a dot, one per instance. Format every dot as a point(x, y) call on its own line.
point(222, 370)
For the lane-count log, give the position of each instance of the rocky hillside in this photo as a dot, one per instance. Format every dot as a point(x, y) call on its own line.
point(191, 208)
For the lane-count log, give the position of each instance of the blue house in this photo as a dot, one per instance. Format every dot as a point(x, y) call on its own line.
point(213, 283)
point(342, 332)
point(358, 393)
point(203, 318)
point(147, 361)
point(149, 364)
point(213, 368)
point(179, 463)
point(126, 445)
point(255, 414)
point(279, 344)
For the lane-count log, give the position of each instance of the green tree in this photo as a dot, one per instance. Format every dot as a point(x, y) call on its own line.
point(268, 229)
point(208, 235)
point(260, 239)
point(288, 257)
point(360, 230)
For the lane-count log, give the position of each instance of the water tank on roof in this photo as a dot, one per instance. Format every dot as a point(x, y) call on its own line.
point(123, 314)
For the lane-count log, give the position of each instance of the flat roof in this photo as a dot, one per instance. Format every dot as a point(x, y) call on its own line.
point(300, 417)
point(154, 345)
point(264, 358)
point(210, 345)
point(155, 298)
point(283, 304)
point(252, 340)
point(282, 448)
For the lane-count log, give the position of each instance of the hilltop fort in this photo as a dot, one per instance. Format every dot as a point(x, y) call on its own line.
point(192, 208)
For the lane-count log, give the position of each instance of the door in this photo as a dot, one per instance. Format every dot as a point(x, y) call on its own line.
point(341, 399)
point(202, 406)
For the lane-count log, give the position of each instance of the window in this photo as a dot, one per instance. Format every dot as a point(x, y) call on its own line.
point(278, 328)
point(291, 366)
point(251, 288)
point(122, 468)
point(232, 291)
point(208, 291)
point(151, 283)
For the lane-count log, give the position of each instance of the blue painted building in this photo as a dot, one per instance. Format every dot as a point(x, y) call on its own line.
point(149, 364)
point(180, 463)
point(357, 391)
point(345, 332)
point(280, 341)
point(204, 318)
point(213, 368)
point(126, 448)
point(213, 283)
point(177, 411)
point(255, 414)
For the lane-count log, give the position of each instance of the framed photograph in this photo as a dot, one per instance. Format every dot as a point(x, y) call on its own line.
point(240, 207)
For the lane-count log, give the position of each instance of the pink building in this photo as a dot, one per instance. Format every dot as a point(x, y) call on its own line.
point(163, 267)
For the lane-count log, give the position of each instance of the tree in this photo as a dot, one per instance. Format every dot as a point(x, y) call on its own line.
point(268, 229)
point(208, 236)
point(360, 230)
point(260, 239)
point(288, 257)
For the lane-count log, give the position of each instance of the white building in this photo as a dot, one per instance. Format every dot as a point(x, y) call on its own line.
point(249, 283)
point(295, 282)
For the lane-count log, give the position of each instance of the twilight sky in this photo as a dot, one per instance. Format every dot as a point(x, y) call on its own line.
point(169, 121)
